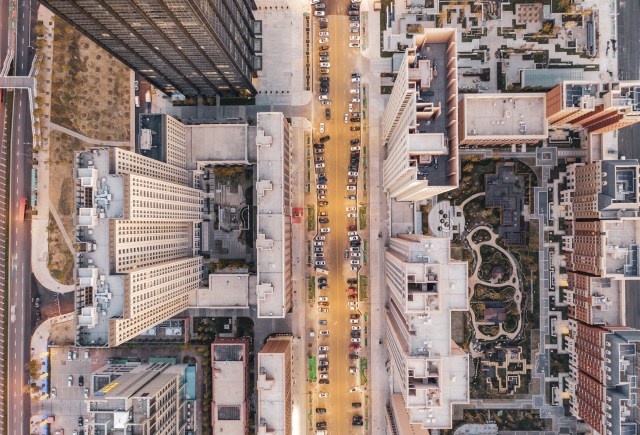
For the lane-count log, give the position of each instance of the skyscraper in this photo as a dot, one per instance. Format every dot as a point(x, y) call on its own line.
point(197, 47)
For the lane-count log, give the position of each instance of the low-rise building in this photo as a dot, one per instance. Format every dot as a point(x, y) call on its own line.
point(429, 371)
point(273, 414)
point(230, 377)
point(502, 119)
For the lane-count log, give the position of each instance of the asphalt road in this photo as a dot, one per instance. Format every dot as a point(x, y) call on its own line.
point(628, 137)
point(18, 336)
point(337, 153)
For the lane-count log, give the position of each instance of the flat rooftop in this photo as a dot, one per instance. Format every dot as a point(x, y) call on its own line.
point(229, 388)
point(497, 115)
point(222, 143)
point(272, 386)
point(273, 216)
point(224, 291)
point(621, 250)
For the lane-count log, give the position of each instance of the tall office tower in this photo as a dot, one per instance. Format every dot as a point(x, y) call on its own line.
point(596, 107)
point(273, 242)
point(138, 230)
point(419, 127)
point(603, 376)
point(138, 398)
point(230, 373)
point(190, 46)
point(429, 371)
point(274, 387)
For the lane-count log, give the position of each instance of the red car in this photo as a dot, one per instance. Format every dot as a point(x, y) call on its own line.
point(323, 304)
point(353, 297)
point(354, 347)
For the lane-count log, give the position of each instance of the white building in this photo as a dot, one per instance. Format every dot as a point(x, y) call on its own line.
point(273, 415)
point(429, 371)
point(420, 120)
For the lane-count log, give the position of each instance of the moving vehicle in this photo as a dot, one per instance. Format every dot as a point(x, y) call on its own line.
point(354, 45)
point(22, 209)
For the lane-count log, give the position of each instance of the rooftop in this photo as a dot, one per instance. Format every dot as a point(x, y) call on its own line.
point(229, 372)
point(487, 116)
point(271, 384)
point(621, 250)
point(224, 291)
point(216, 143)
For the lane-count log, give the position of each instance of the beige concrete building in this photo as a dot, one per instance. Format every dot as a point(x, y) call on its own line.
point(273, 242)
point(502, 119)
point(429, 371)
point(419, 126)
point(138, 233)
point(139, 399)
point(273, 416)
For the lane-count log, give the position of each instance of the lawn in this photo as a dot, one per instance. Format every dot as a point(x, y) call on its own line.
point(312, 369)
point(311, 218)
point(362, 217)
point(60, 261)
point(363, 369)
point(312, 288)
point(363, 283)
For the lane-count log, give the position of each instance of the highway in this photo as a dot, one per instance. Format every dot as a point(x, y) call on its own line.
point(337, 155)
point(19, 252)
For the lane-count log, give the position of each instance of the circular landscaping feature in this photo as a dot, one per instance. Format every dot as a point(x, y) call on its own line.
point(495, 267)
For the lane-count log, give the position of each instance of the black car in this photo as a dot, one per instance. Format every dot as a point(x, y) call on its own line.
point(354, 356)
point(80, 421)
point(322, 280)
point(324, 381)
point(324, 53)
point(354, 18)
point(324, 220)
point(323, 139)
point(321, 425)
point(322, 180)
point(355, 334)
point(354, 316)
point(327, 114)
point(351, 281)
point(318, 146)
point(324, 25)
point(354, 243)
point(354, 141)
point(324, 90)
point(354, 119)
point(81, 381)
point(355, 74)
point(354, 128)
point(321, 410)
point(355, 422)
point(325, 79)
point(356, 404)
point(323, 369)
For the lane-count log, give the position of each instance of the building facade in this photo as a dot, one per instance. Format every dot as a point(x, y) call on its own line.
point(419, 125)
point(429, 371)
point(273, 416)
point(139, 399)
point(230, 377)
point(138, 230)
point(273, 242)
point(192, 47)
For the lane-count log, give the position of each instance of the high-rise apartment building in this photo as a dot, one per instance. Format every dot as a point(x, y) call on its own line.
point(138, 231)
point(603, 378)
point(502, 119)
point(273, 242)
point(429, 371)
point(596, 107)
point(419, 126)
point(193, 47)
point(139, 399)
point(230, 377)
point(273, 415)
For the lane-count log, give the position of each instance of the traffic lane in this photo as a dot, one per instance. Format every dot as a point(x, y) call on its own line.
point(628, 69)
point(4, 36)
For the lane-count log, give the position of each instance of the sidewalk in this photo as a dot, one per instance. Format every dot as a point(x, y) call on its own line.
point(65, 130)
point(40, 220)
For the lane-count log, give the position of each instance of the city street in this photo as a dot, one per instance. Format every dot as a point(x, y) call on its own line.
point(19, 250)
point(343, 60)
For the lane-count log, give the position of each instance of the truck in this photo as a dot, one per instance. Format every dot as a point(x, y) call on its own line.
point(22, 210)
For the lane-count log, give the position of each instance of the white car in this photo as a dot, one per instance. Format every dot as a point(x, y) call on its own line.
point(355, 91)
point(323, 20)
point(326, 103)
point(324, 376)
point(325, 230)
point(323, 34)
point(353, 238)
point(356, 328)
point(354, 38)
point(323, 348)
point(353, 370)
point(321, 186)
point(323, 310)
point(353, 307)
point(355, 148)
point(354, 45)
point(355, 340)
point(323, 395)
point(321, 238)
point(352, 233)
point(353, 321)
point(325, 64)
point(350, 187)
point(322, 356)
point(313, 2)
point(355, 100)
point(322, 97)
point(318, 243)
point(324, 40)
point(355, 262)
point(346, 117)
point(352, 173)
point(324, 332)
point(352, 197)
point(323, 298)
point(319, 165)
point(355, 1)
point(350, 107)
point(353, 389)
point(355, 79)
point(351, 208)
point(356, 254)
point(322, 127)
point(320, 263)
point(354, 24)
point(319, 14)
point(352, 215)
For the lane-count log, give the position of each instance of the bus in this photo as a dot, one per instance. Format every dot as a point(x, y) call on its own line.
point(21, 212)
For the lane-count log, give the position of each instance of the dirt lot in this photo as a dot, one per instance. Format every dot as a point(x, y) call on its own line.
point(60, 261)
point(90, 89)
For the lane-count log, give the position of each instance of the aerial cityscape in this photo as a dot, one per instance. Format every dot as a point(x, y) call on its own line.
point(329, 217)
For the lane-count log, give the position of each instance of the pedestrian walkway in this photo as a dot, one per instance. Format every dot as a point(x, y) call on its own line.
point(110, 143)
